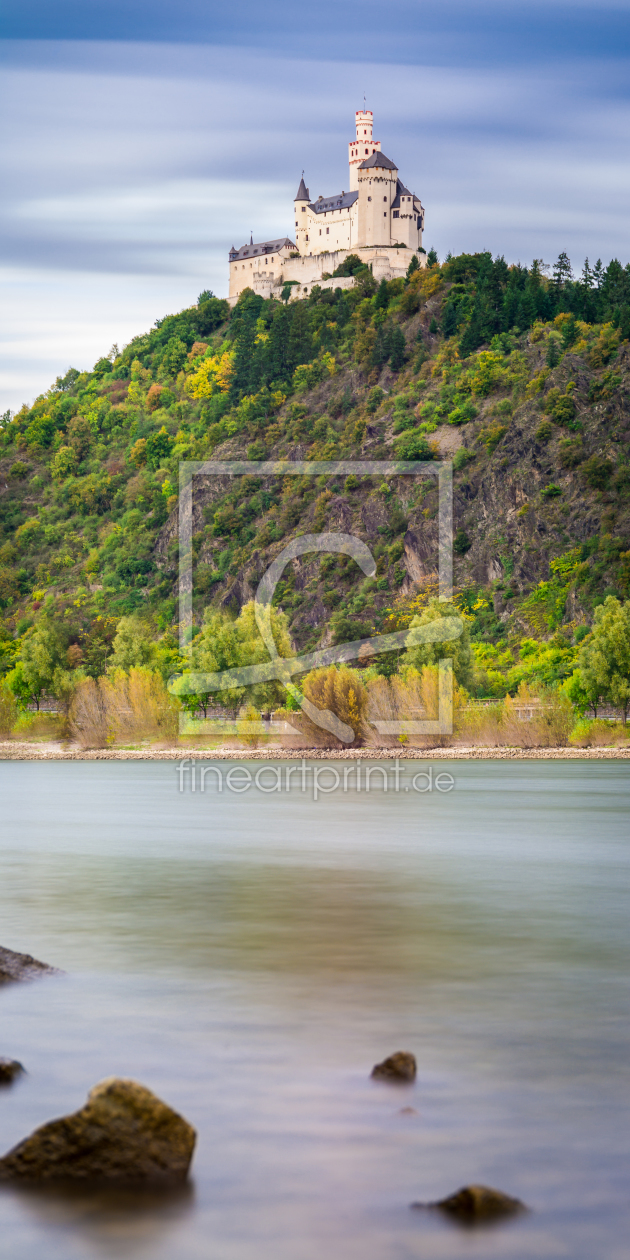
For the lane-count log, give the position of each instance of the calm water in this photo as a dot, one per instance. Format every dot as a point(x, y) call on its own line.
point(249, 957)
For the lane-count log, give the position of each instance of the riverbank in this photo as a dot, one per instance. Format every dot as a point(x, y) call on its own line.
point(12, 750)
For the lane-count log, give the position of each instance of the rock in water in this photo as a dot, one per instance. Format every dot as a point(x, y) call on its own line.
point(473, 1204)
point(9, 1069)
point(22, 967)
point(400, 1067)
point(122, 1133)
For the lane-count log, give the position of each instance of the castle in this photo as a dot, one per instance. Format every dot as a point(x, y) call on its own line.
point(378, 219)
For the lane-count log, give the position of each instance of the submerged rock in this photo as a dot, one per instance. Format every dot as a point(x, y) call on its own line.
point(124, 1132)
point(399, 1067)
point(22, 967)
point(474, 1204)
point(9, 1069)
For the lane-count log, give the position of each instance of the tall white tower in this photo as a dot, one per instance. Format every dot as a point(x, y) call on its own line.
point(363, 146)
point(300, 204)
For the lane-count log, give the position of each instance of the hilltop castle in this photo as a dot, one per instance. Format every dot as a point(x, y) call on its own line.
point(378, 218)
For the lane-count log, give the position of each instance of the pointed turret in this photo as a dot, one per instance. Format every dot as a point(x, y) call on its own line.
point(300, 204)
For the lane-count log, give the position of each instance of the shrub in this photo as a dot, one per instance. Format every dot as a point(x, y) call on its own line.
point(461, 458)
point(154, 397)
point(64, 464)
point(247, 721)
point(491, 435)
point(571, 452)
point(341, 691)
point(588, 733)
point(552, 491)
point(375, 398)
point(461, 542)
point(413, 445)
point(34, 725)
point(18, 470)
point(597, 472)
point(561, 407)
point(123, 707)
point(8, 710)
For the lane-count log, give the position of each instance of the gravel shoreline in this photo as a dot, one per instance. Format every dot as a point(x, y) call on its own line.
point(13, 750)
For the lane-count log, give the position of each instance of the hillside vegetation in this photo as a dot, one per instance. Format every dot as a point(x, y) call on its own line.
point(521, 377)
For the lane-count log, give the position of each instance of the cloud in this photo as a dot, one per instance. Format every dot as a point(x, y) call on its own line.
point(129, 170)
point(454, 31)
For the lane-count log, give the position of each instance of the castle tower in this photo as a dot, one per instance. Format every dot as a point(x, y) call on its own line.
point(362, 146)
point(377, 183)
point(300, 204)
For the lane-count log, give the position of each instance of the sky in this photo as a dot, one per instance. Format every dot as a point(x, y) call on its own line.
point(140, 139)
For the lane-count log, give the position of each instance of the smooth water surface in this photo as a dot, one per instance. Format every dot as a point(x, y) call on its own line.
point(250, 956)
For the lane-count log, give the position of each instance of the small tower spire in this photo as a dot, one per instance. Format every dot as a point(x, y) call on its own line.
point(302, 193)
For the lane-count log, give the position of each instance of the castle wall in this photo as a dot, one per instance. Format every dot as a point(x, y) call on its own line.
point(308, 271)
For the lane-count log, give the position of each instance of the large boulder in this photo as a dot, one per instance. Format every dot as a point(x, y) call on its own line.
point(122, 1133)
point(399, 1067)
point(22, 967)
point(9, 1069)
point(475, 1204)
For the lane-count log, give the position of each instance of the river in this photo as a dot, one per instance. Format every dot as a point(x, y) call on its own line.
point(250, 955)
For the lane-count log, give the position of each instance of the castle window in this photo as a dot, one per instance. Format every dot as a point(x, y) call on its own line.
point(384, 198)
point(327, 229)
point(395, 214)
point(303, 209)
point(369, 198)
point(367, 151)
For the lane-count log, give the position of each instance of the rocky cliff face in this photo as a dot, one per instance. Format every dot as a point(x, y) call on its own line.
point(540, 472)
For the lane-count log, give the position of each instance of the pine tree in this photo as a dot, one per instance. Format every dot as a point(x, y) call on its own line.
point(586, 279)
point(414, 265)
point(381, 301)
point(562, 271)
point(398, 348)
point(449, 322)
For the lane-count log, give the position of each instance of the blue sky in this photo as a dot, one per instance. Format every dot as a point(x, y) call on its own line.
point(140, 140)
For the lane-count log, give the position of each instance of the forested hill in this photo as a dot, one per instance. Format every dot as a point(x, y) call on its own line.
point(522, 377)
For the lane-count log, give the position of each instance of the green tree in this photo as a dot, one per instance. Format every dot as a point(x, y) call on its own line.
point(41, 653)
point(223, 644)
point(397, 348)
point(583, 692)
point(132, 645)
point(604, 658)
point(457, 650)
point(414, 265)
point(158, 447)
point(381, 301)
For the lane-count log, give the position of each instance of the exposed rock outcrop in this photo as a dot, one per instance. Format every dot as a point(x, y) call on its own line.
point(22, 967)
point(9, 1069)
point(475, 1204)
point(124, 1132)
point(399, 1067)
